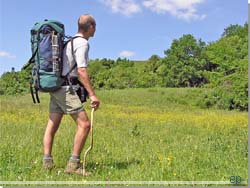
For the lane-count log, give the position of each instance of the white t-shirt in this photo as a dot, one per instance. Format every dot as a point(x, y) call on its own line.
point(81, 50)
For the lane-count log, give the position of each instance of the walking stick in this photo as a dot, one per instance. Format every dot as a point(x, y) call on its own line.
point(84, 172)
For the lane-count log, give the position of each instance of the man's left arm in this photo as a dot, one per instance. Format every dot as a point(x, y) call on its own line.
point(84, 79)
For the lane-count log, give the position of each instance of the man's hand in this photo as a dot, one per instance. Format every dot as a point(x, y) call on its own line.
point(94, 102)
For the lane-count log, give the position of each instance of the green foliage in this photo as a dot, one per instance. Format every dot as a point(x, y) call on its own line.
point(189, 62)
point(184, 63)
point(122, 73)
point(232, 93)
point(152, 64)
point(12, 83)
point(229, 57)
point(235, 30)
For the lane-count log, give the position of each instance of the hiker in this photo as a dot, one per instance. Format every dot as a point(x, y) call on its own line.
point(66, 101)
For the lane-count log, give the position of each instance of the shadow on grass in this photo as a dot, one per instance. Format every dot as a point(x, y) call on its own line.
point(119, 165)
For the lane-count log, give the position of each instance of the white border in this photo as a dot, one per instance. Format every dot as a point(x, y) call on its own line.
point(120, 183)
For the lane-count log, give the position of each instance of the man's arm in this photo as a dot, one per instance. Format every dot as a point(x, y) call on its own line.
point(84, 79)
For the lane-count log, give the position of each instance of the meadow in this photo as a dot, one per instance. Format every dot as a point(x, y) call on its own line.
point(156, 134)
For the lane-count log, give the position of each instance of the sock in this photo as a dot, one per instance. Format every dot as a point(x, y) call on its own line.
point(47, 157)
point(75, 157)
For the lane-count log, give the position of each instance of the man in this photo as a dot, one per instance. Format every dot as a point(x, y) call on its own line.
point(66, 101)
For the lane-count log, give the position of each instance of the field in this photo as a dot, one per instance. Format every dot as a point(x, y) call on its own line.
point(139, 134)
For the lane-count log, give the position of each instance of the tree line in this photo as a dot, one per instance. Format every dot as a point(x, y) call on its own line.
point(221, 66)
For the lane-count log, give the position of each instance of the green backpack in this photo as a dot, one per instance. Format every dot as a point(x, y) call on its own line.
point(47, 43)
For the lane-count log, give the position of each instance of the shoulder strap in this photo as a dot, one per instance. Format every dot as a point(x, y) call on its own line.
point(31, 60)
point(73, 54)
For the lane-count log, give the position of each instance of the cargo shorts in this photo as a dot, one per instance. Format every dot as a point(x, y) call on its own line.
point(65, 101)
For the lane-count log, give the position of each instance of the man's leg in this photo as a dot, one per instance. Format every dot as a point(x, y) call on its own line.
point(83, 128)
point(52, 127)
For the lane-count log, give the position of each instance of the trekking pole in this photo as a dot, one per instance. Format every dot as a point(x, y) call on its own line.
point(84, 173)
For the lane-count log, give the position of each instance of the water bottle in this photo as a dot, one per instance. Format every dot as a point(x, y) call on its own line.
point(55, 53)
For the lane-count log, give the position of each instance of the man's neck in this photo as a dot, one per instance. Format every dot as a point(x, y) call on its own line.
point(84, 35)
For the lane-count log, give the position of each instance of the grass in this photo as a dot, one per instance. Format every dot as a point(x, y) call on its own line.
point(139, 134)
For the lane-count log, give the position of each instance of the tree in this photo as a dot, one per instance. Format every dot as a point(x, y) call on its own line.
point(12, 83)
point(229, 76)
point(152, 64)
point(184, 62)
point(235, 30)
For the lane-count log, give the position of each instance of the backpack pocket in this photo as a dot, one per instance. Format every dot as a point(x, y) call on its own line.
point(45, 52)
point(50, 81)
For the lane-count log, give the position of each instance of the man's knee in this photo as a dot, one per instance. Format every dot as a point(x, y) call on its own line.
point(83, 121)
point(84, 125)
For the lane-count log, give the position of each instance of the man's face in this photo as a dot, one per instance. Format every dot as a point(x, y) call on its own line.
point(92, 29)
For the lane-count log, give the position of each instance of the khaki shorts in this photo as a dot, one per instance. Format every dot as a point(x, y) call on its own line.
point(65, 101)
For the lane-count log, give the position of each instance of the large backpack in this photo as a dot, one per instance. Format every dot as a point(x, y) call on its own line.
point(47, 43)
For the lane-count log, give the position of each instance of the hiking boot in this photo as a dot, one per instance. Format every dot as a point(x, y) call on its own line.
point(74, 167)
point(48, 164)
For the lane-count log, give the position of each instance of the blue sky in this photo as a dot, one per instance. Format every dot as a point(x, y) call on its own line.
point(135, 29)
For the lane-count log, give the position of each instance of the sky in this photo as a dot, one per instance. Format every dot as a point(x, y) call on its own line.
point(132, 29)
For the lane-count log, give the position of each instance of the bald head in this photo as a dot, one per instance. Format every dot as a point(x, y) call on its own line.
point(84, 22)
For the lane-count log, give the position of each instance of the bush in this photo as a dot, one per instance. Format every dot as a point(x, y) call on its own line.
point(231, 94)
point(12, 83)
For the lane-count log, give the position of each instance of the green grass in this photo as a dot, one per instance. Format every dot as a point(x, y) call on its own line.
point(139, 134)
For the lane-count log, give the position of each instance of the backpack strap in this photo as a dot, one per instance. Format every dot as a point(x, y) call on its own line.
point(37, 100)
point(34, 89)
point(32, 93)
point(37, 97)
point(31, 60)
point(73, 54)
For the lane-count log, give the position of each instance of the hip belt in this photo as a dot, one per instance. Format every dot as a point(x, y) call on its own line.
point(70, 81)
